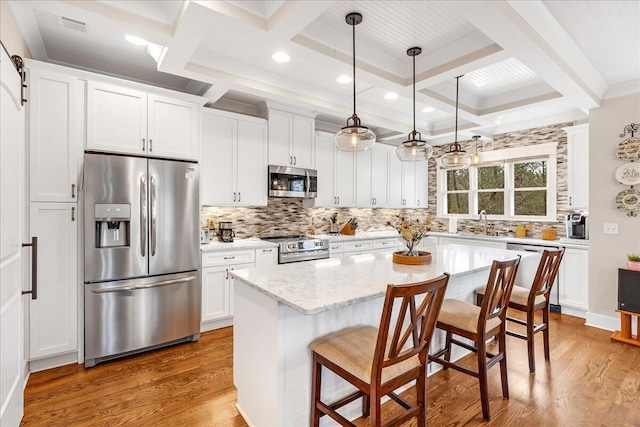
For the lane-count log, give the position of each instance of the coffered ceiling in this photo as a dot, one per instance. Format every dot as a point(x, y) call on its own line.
point(524, 63)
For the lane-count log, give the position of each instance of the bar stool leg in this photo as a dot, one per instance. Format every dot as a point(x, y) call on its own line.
point(447, 355)
point(502, 349)
point(482, 377)
point(316, 378)
point(530, 342)
point(545, 332)
point(366, 406)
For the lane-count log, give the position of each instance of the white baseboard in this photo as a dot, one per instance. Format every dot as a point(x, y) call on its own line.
point(216, 324)
point(53, 362)
point(574, 312)
point(606, 322)
point(243, 415)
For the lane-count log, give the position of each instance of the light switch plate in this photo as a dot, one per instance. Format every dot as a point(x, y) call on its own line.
point(610, 228)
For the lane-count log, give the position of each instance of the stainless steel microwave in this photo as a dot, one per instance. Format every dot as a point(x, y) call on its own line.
point(286, 181)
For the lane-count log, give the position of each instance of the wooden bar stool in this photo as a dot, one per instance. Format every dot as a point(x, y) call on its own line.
point(533, 300)
point(377, 361)
point(478, 324)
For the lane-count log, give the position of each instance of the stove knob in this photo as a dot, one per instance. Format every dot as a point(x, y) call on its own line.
point(291, 246)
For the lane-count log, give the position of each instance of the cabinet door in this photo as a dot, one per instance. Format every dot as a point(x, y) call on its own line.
point(574, 279)
point(380, 176)
point(578, 168)
point(251, 160)
point(116, 119)
point(422, 184)
point(216, 295)
point(409, 184)
point(364, 199)
point(53, 137)
point(345, 178)
point(217, 176)
point(53, 316)
point(173, 128)
point(324, 163)
point(303, 142)
point(267, 257)
point(280, 132)
point(395, 181)
point(232, 282)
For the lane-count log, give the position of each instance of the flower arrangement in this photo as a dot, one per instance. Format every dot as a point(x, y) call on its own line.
point(412, 232)
point(634, 262)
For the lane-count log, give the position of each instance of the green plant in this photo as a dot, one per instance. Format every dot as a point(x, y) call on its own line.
point(520, 226)
point(633, 257)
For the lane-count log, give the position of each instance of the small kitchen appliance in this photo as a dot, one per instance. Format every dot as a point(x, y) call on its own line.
point(286, 181)
point(204, 235)
point(225, 231)
point(577, 225)
point(299, 248)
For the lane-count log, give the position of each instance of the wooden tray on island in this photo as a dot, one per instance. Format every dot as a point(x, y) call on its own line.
point(423, 257)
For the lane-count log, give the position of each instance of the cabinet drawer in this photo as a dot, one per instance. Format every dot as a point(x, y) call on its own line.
point(335, 248)
point(227, 258)
point(385, 243)
point(359, 246)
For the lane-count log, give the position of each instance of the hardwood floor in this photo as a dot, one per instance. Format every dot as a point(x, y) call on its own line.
point(591, 381)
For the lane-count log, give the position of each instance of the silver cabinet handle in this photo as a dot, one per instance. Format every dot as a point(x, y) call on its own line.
point(142, 144)
point(358, 246)
point(73, 214)
point(418, 203)
point(290, 160)
point(73, 191)
point(295, 160)
point(570, 199)
point(267, 250)
point(239, 196)
point(229, 257)
point(153, 216)
point(226, 272)
point(335, 200)
point(150, 145)
point(234, 197)
point(139, 287)
point(143, 216)
point(338, 199)
point(34, 268)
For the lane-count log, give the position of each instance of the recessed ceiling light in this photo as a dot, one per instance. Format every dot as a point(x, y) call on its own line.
point(281, 56)
point(428, 110)
point(344, 79)
point(391, 95)
point(138, 41)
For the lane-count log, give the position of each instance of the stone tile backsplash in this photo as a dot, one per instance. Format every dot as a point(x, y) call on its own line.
point(289, 216)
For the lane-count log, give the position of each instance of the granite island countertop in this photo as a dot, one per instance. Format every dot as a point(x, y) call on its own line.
point(315, 286)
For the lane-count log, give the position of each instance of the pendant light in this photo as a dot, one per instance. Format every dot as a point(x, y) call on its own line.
point(354, 136)
point(414, 149)
point(456, 157)
point(475, 157)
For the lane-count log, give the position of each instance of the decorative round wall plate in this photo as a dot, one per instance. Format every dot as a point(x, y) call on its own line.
point(629, 149)
point(629, 200)
point(628, 174)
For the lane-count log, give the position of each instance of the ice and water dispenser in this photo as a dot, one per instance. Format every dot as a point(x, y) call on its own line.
point(112, 223)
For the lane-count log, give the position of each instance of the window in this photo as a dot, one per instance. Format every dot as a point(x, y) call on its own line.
point(516, 183)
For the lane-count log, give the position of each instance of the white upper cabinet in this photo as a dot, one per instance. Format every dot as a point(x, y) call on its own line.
point(396, 199)
point(344, 181)
point(325, 160)
point(578, 166)
point(129, 121)
point(173, 127)
point(116, 119)
point(54, 143)
point(422, 184)
point(409, 184)
point(291, 139)
point(372, 177)
point(364, 199)
point(234, 160)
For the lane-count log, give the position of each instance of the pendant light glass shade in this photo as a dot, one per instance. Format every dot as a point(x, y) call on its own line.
point(456, 157)
point(414, 149)
point(354, 136)
point(475, 157)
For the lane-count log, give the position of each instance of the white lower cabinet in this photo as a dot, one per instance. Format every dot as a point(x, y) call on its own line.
point(471, 242)
point(574, 280)
point(335, 250)
point(217, 283)
point(53, 316)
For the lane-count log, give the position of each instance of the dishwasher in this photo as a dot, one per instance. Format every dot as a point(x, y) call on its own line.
point(527, 271)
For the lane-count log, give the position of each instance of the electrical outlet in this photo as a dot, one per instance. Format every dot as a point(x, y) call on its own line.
point(211, 223)
point(610, 228)
point(530, 227)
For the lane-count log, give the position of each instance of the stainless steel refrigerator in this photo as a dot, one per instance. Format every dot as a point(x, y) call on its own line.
point(141, 254)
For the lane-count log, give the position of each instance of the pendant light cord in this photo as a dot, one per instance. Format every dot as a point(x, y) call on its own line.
point(353, 27)
point(457, 86)
point(414, 95)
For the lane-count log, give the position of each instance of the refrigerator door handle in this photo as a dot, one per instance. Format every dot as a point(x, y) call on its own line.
point(143, 216)
point(138, 287)
point(153, 216)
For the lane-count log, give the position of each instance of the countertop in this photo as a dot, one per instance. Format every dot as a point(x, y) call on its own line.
point(364, 235)
point(316, 286)
point(567, 243)
point(251, 243)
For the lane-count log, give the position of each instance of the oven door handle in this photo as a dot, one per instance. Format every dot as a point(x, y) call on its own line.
point(139, 287)
point(303, 256)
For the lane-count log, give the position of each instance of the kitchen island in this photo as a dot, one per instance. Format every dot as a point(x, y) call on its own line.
point(278, 311)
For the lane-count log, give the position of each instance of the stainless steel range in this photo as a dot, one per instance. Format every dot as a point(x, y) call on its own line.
point(299, 248)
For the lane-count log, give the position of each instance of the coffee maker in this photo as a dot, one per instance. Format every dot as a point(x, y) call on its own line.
point(225, 231)
point(577, 225)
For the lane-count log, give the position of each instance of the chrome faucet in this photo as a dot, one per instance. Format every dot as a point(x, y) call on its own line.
point(484, 226)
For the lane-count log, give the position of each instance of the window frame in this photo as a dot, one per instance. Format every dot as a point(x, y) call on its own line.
point(508, 157)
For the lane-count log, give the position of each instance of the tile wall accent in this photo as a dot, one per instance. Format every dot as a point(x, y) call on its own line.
point(288, 216)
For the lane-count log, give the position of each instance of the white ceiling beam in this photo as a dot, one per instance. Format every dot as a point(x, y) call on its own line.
point(293, 16)
point(503, 24)
point(26, 21)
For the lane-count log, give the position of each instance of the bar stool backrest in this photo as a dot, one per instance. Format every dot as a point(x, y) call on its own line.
point(498, 291)
point(546, 274)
